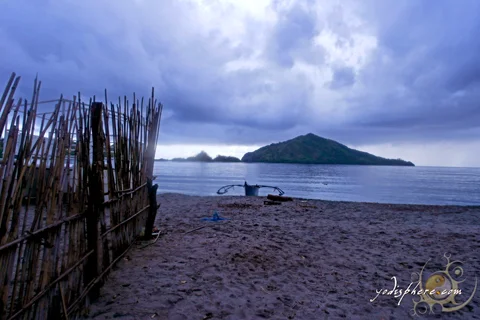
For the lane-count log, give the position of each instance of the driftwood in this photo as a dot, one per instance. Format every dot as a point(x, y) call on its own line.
point(278, 198)
point(190, 231)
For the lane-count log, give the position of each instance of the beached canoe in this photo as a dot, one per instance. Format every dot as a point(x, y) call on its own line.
point(250, 190)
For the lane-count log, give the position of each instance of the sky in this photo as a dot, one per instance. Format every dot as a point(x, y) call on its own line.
point(396, 78)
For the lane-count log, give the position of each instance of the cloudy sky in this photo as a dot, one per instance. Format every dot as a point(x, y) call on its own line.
point(399, 79)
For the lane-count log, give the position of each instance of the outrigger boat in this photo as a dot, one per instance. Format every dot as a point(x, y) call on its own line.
point(250, 190)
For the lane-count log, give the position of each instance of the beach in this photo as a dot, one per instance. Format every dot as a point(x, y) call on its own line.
point(303, 259)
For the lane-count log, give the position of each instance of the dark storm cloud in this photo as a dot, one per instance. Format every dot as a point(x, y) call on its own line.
point(421, 82)
point(432, 51)
point(342, 77)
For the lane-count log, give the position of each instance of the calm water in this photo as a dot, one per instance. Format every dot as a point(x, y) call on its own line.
point(415, 185)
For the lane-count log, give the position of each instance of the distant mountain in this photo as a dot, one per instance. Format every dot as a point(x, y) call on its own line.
point(225, 159)
point(312, 149)
point(204, 157)
point(201, 157)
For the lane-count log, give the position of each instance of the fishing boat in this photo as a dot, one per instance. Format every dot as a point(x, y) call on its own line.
point(250, 190)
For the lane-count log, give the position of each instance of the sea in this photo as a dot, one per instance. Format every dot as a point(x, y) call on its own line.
point(382, 184)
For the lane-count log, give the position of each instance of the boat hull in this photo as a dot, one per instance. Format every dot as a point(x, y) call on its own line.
point(251, 190)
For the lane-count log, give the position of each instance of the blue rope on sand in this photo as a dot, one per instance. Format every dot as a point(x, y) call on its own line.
point(216, 217)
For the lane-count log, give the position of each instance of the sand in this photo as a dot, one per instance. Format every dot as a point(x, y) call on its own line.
point(304, 259)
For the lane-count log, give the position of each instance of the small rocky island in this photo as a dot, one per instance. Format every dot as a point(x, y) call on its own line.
point(204, 157)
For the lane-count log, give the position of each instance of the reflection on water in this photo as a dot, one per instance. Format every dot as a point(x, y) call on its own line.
point(422, 185)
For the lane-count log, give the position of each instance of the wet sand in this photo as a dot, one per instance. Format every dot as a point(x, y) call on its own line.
point(304, 259)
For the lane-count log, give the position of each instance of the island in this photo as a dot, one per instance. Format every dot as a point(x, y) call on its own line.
point(204, 157)
point(226, 159)
point(312, 149)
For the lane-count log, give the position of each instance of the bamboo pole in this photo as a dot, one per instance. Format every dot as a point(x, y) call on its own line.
point(6, 90)
point(22, 180)
point(64, 303)
point(6, 111)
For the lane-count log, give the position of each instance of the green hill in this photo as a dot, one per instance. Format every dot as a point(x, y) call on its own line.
point(220, 158)
point(204, 157)
point(312, 149)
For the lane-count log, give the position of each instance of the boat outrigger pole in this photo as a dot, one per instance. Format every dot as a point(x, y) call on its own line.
point(280, 191)
point(225, 189)
point(250, 190)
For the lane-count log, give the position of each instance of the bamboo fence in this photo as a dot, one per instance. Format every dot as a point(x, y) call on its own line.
point(75, 193)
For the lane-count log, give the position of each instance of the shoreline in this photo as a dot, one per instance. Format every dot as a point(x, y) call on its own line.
point(470, 206)
point(304, 259)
